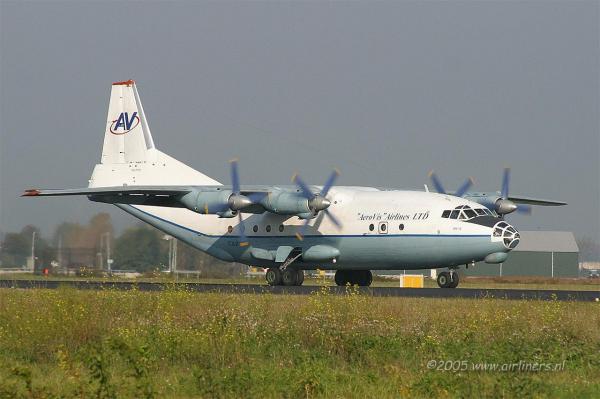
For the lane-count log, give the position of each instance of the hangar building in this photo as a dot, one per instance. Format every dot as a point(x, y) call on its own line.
point(540, 253)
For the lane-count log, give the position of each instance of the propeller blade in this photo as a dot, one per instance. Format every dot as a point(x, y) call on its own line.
point(235, 177)
point(333, 219)
point(305, 190)
point(505, 182)
point(243, 239)
point(464, 188)
point(524, 209)
point(302, 231)
point(330, 182)
point(436, 183)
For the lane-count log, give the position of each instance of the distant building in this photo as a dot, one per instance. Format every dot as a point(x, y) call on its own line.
point(540, 253)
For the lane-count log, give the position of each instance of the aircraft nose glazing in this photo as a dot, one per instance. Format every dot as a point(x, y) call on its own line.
point(509, 235)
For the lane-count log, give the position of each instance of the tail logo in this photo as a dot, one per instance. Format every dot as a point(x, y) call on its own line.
point(124, 124)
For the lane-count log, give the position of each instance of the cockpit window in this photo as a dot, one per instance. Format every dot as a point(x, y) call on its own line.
point(445, 214)
point(470, 213)
point(462, 216)
point(454, 214)
point(480, 211)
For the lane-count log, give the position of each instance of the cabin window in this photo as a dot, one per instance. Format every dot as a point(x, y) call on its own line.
point(255, 228)
point(446, 214)
point(281, 228)
point(371, 227)
point(383, 227)
point(268, 228)
point(454, 214)
point(401, 227)
point(229, 229)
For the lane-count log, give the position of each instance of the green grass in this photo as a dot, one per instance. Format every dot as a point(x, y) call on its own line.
point(69, 343)
point(533, 283)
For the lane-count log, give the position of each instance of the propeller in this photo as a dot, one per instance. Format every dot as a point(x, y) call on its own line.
point(317, 202)
point(504, 205)
point(440, 188)
point(238, 201)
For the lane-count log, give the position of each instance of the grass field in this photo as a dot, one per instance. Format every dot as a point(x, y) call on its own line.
point(113, 344)
point(533, 283)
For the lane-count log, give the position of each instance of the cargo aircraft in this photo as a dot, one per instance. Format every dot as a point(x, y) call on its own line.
point(289, 229)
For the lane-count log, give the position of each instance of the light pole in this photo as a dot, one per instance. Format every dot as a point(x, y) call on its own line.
point(105, 245)
point(172, 253)
point(33, 251)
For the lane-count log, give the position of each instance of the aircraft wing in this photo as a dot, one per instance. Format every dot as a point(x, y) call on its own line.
point(168, 196)
point(140, 190)
point(118, 190)
point(534, 201)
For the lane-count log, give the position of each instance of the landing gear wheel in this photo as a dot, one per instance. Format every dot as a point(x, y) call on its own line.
point(289, 276)
point(443, 280)
point(365, 278)
point(341, 277)
point(273, 276)
point(454, 279)
point(300, 277)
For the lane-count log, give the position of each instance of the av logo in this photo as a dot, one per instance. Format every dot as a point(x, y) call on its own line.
point(124, 123)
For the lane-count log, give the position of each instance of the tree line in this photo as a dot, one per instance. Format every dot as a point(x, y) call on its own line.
point(139, 248)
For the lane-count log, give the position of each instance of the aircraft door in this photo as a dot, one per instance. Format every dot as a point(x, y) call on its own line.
point(383, 228)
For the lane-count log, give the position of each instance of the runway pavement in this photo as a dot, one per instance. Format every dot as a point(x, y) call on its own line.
point(561, 295)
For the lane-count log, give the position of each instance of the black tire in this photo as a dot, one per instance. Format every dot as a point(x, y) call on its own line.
point(300, 277)
point(454, 280)
point(289, 276)
point(273, 276)
point(341, 277)
point(443, 280)
point(366, 278)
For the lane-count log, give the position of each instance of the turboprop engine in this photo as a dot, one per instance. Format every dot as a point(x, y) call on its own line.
point(224, 203)
point(288, 203)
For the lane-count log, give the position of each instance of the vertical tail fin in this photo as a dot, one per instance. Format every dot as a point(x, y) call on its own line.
point(127, 137)
point(129, 156)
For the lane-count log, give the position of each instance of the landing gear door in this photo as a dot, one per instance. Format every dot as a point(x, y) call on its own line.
point(382, 228)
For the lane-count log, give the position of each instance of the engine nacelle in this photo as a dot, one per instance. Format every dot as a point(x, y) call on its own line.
point(285, 203)
point(209, 202)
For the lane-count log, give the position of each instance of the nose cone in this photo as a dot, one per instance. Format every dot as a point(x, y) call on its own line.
point(504, 206)
point(506, 233)
point(237, 202)
point(319, 203)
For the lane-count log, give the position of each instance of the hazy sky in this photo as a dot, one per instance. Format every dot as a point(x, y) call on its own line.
point(385, 91)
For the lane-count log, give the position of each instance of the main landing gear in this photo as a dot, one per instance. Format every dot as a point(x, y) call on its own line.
point(288, 276)
point(448, 279)
point(362, 278)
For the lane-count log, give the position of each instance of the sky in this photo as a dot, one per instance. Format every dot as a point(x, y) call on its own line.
point(385, 91)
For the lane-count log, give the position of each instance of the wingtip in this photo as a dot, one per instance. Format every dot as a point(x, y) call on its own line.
point(32, 192)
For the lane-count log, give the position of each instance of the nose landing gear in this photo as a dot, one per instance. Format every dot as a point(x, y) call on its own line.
point(448, 279)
